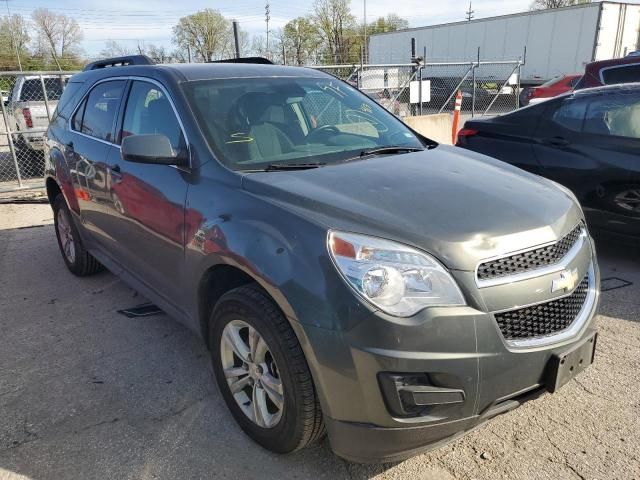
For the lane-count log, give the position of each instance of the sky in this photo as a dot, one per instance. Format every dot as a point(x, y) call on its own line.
point(132, 21)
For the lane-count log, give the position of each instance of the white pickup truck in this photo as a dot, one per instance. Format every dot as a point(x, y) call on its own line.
point(27, 109)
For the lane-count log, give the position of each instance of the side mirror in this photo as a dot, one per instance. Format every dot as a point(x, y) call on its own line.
point(152, 148)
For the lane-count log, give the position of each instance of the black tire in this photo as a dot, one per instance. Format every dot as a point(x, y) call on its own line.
point(82, 263)
point(300, 423)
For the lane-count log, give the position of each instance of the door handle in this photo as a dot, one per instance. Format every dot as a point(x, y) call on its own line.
point(116, 176)
point(558, 141)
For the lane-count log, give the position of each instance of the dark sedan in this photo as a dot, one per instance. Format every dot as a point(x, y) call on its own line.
point(588, 141)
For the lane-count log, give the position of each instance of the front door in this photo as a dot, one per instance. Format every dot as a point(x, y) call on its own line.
point(145, 203)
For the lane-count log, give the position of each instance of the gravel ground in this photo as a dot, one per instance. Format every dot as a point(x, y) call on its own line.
point(86, 393)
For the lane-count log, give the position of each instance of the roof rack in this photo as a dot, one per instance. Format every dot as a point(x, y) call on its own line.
point(258, 60)
point(119, 62)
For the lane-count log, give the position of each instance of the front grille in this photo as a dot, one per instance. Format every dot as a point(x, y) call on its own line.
point(544, 318)
point(530, 260)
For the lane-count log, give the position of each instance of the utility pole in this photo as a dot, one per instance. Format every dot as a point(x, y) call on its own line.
point(13, 38)
point(469, 13)
point(235, 37)
point(365, 33)
point(267, 17)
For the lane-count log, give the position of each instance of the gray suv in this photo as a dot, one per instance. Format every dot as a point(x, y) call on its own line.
point(348, 275)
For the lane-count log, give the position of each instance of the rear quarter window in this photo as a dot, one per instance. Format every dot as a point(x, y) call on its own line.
point(68, 99)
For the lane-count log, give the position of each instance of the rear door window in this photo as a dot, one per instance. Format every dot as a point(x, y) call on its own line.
point(570, 114)
point(101, 110)
point(617, 115)
point(621, 74)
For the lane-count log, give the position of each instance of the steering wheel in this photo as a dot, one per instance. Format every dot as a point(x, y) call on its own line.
point(323, 129)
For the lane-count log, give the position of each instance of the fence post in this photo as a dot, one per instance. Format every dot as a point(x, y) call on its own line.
point(12, 148)
point(419, 88)
point(518, 86)
point(473, 94)
point(46, 97)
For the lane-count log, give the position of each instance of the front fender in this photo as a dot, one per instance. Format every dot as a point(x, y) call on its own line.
point(281, 250)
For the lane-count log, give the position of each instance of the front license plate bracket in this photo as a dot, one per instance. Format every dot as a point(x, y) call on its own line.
point(564, 366)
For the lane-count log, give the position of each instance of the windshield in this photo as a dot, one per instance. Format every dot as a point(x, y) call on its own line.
point(253, 123)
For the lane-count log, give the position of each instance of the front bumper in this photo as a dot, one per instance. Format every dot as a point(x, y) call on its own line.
point(456, 348)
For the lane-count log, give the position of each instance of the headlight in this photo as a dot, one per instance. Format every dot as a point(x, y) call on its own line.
point(395, 278)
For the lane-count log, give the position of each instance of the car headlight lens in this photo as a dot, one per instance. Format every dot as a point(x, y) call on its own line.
point(398, 279)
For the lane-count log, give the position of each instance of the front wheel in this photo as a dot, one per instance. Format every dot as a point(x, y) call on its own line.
point(262, 372)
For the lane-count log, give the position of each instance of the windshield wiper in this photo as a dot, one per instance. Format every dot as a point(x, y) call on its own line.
point(389, 149)
point(274, 167)
point(382, 150)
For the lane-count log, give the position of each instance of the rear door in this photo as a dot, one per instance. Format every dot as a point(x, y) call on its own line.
point(591, 146)
point(90, 142)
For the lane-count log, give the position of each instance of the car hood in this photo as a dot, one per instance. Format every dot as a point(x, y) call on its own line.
point(458, 205)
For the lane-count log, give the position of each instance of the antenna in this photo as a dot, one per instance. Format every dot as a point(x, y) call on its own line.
point(470, 13)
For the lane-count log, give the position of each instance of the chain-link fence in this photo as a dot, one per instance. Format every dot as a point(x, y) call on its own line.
point(487, 88)
point(28, 102)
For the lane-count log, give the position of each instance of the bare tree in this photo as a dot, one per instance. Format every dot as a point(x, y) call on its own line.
point(58, 36)
point(157, 53)
point(546, 4)
point(114, 49)
point(14, 41)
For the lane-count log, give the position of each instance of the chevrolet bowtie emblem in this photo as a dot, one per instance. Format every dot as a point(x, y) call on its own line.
point(567, 281)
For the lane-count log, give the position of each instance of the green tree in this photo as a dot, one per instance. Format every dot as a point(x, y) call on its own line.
point(391, 23)
point(335, 22)
point(207, 33)
point(300, 38)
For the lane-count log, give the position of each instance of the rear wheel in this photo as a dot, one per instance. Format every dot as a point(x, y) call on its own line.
point(262, 372)
point(78, 260)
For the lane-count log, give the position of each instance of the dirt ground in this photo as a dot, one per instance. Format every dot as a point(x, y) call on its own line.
point(86, 393)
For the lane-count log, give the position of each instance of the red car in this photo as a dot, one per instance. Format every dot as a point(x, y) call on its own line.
point(609, 72)
point(552, 88)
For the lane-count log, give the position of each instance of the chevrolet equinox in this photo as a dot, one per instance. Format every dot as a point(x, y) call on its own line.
point(349, 276)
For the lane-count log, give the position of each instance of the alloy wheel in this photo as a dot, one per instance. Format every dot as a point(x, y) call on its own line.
point(252, 374)
point(65, 235)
